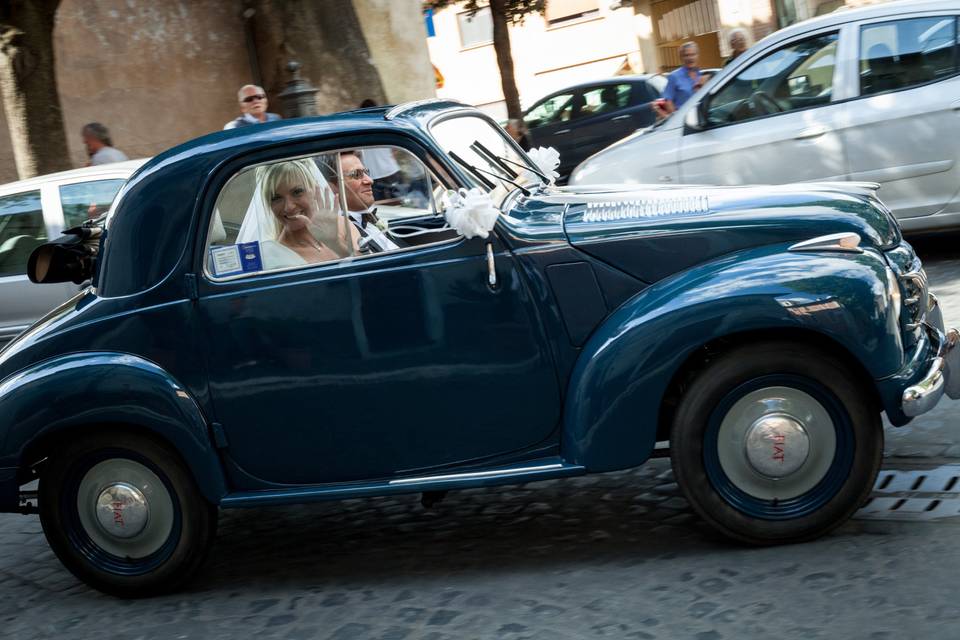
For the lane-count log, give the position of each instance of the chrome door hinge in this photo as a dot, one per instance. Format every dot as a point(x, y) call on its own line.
point(190, 284)
point(219, 435)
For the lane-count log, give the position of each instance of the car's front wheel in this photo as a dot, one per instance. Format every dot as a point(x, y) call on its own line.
point(776, 442)
point(123, 514)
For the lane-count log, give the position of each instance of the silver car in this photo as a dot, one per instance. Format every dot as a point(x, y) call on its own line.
point(35, 210)
point(870, 94)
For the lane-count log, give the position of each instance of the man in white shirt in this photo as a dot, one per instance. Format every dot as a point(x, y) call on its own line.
point(100, 149)
point(357, 189)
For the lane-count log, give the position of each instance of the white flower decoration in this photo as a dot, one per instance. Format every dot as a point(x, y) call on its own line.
point(547, 159)
point(471, 212)
point(382, 225)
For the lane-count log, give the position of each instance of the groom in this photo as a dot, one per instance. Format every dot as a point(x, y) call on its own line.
point(357, 189)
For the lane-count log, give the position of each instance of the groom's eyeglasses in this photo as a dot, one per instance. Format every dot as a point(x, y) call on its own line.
point(256, 96)
point(357, 174)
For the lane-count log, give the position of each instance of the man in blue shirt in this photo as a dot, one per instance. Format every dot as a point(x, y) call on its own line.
point(683, 81)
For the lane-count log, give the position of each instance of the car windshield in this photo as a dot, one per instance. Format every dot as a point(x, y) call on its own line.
point(491, 159)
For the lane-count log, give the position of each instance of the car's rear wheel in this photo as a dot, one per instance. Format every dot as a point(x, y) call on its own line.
point(776, 442)
point(123, 514)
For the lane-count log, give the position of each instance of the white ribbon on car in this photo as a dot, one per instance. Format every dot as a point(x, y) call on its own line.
point(471, 212)
point(547, 159)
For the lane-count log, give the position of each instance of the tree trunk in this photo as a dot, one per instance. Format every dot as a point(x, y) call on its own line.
point(28, 84)
point(501, 44)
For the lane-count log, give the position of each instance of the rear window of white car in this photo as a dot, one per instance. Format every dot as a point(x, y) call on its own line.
point(21, 231)
point(87, 200)
point(906, 53)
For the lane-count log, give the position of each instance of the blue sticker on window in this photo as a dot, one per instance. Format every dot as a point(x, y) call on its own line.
point(250, 256)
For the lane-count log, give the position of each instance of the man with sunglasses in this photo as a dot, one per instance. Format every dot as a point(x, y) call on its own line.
point(357, 190)
point(253, 107)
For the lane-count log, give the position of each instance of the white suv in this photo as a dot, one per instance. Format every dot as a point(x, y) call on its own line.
point(869, 94)
point(35, 210)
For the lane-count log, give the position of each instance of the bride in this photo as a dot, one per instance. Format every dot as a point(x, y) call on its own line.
point(294, 215)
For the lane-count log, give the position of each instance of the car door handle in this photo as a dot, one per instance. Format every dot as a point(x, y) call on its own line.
point(561, 132)
point(491, 267)
point(812, 132)
point(955, 106)
point(627, 117)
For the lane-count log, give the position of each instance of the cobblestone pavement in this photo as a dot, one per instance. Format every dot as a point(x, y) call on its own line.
point(609, 556)
point(612, 556)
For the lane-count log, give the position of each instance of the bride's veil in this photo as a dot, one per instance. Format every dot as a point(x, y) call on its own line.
point(259, 224)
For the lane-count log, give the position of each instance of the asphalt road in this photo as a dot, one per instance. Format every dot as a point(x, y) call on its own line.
point(609, 556)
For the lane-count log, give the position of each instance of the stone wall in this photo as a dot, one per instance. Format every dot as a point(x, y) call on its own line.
point(396, 37)
point(160, 72)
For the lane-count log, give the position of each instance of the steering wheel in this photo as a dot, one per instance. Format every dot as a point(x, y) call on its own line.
point(764, 103)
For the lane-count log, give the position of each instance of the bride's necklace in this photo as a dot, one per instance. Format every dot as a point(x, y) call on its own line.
point(310, 242)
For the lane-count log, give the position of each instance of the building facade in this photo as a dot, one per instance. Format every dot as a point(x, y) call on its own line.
point(582, 40)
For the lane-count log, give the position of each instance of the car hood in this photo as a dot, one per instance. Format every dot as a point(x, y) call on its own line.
point(651, 232)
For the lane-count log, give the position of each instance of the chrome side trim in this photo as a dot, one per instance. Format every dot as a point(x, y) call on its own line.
point(651, 206)
point(845, 242)
point(476, 474)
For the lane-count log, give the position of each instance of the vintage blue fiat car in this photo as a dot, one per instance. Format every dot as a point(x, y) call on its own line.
point(399, 301)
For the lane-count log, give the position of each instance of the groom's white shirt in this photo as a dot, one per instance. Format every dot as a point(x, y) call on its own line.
point(382, 240)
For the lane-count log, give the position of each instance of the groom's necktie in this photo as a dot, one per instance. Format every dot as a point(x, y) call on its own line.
point(368, 217)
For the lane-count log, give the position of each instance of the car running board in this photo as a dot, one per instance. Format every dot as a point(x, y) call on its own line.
point(527, 471)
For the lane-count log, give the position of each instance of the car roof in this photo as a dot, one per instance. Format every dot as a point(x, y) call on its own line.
point(844, 15)
point(102, 170)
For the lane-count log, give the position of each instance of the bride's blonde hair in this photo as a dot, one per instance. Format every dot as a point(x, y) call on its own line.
point(290, 172)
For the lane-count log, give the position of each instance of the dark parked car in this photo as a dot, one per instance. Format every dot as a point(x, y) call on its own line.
point(583, 119)
point(225, 359)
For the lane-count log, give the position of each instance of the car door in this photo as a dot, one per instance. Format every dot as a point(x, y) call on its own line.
point(904, 125)
point(373, 365)
point(549, 124)
point(776, 121)
point(608, 114)
point(25, 224)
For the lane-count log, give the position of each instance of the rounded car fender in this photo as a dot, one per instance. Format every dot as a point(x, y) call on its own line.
point(80, 390)
point(617, 386)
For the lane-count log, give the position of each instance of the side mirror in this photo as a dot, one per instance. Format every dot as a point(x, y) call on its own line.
point(696, 118)
point(799, 86)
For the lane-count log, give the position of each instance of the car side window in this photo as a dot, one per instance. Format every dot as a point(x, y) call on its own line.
point(794, 77)
point(604, 99)
point(333, 206)
point(906, 53)
point(558, 108)
point(21, 231)
point(87, 200)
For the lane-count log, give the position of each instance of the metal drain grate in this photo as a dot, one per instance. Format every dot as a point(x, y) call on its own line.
point(919, 494)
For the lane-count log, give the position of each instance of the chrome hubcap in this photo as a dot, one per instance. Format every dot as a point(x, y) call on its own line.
point(125, 508)
point(122, 510)
point(777, 445)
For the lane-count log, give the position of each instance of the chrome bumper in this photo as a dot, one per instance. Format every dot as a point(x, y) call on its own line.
point(943, 374)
